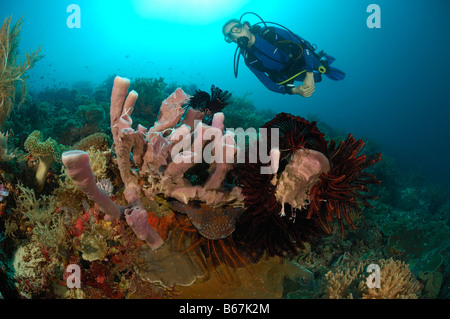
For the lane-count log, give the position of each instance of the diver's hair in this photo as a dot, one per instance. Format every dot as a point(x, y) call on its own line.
point(228, 22)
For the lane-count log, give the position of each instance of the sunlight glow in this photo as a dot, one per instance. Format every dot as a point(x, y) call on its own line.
point(188, 11)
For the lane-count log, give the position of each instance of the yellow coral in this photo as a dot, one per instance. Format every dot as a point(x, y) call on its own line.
point(99, 141)
point(397, 282)
point(340, 282)
point(40, 148)
point(47, 226)
point(46, 151)
point(98, 162)
point(349, 281)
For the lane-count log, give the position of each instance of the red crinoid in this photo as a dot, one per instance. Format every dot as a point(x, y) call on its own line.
point(296, 133)
point(342, 191)
point(261, 227)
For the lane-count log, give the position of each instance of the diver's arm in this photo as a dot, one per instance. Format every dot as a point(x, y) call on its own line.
point(309, 80)
point(268, 83)
point(309, 60)
point(307, 88)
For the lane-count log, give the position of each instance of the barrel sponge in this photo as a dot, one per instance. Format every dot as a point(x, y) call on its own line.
point(47, 152)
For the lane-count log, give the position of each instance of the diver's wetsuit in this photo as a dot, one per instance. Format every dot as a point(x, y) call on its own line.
point(265, 55)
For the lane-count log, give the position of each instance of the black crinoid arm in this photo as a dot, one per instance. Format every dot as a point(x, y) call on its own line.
point(210, 103)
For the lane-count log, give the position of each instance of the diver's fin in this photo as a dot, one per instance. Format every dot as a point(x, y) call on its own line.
point(334, 74)
point(330, 59)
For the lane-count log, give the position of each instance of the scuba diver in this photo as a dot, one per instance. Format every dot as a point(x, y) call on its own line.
point(279, 57)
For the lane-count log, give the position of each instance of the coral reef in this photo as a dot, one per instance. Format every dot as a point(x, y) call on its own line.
point(152, 151)
point(348, 281)
point(170, 212)
point(152, 91)
point(40, 216)
point(162, 160)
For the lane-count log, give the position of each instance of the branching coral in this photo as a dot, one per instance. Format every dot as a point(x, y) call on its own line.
point(12, 73)
point(41, 216)
point(350, 281)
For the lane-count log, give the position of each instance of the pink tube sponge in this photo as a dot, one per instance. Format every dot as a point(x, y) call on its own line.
point(79, 169)
point(137, 218)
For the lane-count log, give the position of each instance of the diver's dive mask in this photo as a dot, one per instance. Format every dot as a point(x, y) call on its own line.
point(237, 28)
